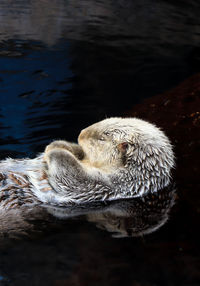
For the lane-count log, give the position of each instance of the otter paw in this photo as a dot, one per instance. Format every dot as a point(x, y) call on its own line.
point(58, 144)
point(51, 153)
point(55, 145)
point(58, 161)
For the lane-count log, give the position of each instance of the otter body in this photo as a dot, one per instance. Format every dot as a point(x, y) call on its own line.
point(116, 158)
point(19, 180)
point(120, 158)
point(24, 182)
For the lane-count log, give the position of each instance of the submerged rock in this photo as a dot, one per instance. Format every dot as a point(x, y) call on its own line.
point(178, 113)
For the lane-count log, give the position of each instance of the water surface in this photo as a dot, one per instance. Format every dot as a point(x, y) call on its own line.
point(65, 65)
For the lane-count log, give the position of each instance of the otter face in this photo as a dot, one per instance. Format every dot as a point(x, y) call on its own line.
point(127, 141)
point(100, 147)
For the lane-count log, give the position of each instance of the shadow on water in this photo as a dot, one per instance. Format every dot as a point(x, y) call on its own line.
point(64, 65)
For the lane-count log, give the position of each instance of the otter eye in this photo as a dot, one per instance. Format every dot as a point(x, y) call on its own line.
point(102, 139)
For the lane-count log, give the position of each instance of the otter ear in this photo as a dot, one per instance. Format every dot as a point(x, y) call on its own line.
point(122, 147)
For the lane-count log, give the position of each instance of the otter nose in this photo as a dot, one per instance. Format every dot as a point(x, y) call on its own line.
point(82, 135)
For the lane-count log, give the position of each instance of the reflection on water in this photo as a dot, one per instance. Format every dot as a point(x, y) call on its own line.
point(115, 22)
point(137, 217)
point(52, 236)
point(131, 217)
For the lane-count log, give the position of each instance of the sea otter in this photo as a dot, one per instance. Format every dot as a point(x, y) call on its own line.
point(116, 158)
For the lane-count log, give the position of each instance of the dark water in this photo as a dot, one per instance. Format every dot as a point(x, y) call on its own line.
point(64, 65)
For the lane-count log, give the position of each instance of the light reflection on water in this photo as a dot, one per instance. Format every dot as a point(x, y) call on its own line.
point(28, 88)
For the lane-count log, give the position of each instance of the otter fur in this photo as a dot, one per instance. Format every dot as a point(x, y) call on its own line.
point(116, 158)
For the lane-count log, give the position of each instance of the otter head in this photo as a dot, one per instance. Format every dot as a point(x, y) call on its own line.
point(130, 144)
point(101, 145)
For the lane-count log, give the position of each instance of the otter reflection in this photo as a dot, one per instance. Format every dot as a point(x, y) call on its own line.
point(126, 217)
point(123, 218)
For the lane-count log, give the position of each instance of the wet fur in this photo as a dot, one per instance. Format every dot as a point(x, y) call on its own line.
point(120, 158)
point(115, 158)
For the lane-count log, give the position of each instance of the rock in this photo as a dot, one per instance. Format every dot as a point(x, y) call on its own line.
point(178, 113)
